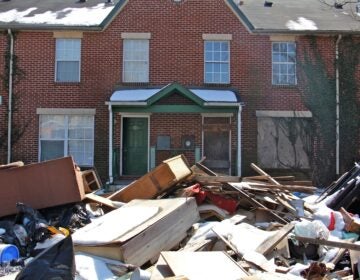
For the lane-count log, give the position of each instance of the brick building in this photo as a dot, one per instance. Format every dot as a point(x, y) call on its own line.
point(122, 85)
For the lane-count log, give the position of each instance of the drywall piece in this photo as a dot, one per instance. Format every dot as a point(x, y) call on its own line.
point(157, 181)
point(163, 231)
point(203, 265)
point(40, 185)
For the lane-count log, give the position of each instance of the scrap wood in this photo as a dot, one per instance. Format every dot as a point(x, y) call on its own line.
point(202, 179)
point(104, 201)
point(291, 188)
point(268, 245)
point(338, 244)
point(11, 165)
point(262, 172)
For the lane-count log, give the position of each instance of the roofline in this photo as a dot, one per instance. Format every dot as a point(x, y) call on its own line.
point(46, 27)
point(241, 16)
point(117, 9)
point(122, 103)
point(303, 32)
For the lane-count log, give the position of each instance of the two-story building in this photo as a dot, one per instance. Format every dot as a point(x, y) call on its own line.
point(122, 85)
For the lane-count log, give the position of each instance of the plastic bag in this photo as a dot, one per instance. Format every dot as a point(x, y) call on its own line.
point(56, 262)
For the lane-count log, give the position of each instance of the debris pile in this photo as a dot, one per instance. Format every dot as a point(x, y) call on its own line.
point(175, 222)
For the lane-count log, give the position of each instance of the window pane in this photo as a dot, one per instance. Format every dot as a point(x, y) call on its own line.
point(51, 149)
point(283, 63)
point(81, 151)
point(216, 62)
point(67, 71)
point(52, 127)
point(136, 61)
point(68, 49)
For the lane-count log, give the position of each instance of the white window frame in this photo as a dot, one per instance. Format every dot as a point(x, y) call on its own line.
point(66, 136)
point(282, 63)
point(57, 59)
point(146, 61)
point(220, 62)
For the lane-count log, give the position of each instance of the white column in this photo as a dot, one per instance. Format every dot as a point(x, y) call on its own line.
point(239, 141)
point(111, 178)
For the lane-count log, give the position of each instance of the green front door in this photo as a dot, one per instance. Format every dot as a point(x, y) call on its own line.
point(135, 146)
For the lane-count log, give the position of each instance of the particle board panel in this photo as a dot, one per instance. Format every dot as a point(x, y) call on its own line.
point(203, 265)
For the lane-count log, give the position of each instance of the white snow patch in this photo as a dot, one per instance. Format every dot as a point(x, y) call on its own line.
point(301, 24)
point(69, 16)
point(215, 95)
point(133, 95)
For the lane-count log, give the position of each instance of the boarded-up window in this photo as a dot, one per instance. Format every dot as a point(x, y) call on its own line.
point(283, 142)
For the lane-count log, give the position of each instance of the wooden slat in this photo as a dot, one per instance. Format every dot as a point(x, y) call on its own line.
point(337, 244)
point(268, 245)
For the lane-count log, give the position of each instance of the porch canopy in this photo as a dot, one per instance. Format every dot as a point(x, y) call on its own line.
point(146, 100)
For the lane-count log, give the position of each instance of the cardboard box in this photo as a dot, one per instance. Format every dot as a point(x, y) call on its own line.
point(40, 185)
point(157, 181)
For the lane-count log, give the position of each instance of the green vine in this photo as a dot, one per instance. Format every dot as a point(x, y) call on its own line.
point(18, 126)
point(349, 103)
point(319, 97)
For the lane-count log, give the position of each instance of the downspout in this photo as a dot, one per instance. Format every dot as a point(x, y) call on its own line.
point(337, 106)
point(111, 177)
point(10, 94)
point(239, 141)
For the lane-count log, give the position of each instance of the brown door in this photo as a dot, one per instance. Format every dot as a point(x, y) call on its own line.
point(217, 144)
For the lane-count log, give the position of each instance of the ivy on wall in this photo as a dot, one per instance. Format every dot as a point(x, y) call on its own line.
point(18, 126)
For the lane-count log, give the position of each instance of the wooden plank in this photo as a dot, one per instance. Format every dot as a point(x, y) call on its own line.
point(215, 265)
point(268, 245)
point(161, 270)
point(336, 244)
point(262, 172)
point(256, 203)
point(211, 179)
point(104, 201)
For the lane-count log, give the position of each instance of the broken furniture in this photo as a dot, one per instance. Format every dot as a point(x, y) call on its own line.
point(44, 184)
point(139, 230)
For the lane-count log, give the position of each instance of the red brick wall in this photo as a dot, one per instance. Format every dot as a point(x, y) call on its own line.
point(176, 54)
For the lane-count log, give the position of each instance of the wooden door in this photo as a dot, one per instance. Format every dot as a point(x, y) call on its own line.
point(135, 146)
point(217, 144)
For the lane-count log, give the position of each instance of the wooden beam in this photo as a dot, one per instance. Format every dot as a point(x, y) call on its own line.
point(268, 245)
point(216, 179)
point(262, 172)
point(337, 244)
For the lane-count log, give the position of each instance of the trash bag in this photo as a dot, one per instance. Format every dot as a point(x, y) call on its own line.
point(54, 263)
point(74, 218)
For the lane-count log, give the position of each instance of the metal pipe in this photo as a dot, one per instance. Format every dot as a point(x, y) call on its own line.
point(111, 177)
point(10, 94)
point(239, 141)
point(337, 106)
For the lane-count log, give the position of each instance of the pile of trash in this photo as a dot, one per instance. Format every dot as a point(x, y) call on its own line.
point(176, 222)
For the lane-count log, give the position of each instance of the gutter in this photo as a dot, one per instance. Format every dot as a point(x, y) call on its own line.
point(337, 122)
point(10, 95)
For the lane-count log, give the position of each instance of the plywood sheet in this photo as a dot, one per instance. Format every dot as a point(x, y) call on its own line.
point(203, 265)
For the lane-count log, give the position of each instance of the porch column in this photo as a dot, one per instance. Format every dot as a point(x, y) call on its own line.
point(111, 178)
point(239, 141)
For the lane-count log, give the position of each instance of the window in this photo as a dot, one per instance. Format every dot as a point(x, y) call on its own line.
point(62, 135)
point(217, 62)
point(67, 60)
point(283, 63)
point(136, 61)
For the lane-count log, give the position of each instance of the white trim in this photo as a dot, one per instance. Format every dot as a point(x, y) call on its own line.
point(131, 35)
point(239, 125)
point(222, 104)
point(217, 37)
point(65, 111)
point(114, 103)
point(132, 115)
point(284, 114)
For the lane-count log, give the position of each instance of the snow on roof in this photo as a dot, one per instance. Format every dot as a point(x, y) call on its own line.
point(211, 95)
point(85, 16)
point(133, 95)
point(142, 95)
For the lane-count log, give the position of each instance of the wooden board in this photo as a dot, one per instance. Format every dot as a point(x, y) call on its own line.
point(203, 265)
point(156, 181)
